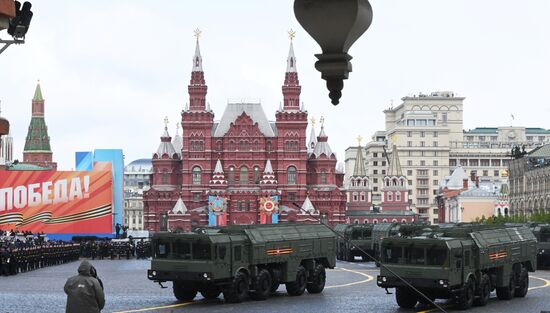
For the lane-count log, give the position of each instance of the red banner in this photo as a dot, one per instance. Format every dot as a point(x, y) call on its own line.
point(60, 202)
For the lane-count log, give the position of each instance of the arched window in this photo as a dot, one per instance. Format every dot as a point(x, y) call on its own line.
point(256, 175)
point(362, 196)
point(356, 222)
point(165, 177)
point(231, 176)
point(291, 175)
point(243, 145)
point(355, 197)
point(390, 196)
point(384, 221)
point(375, 221)
point(196, 175)
point(404, 221)
point(244, 175)
point(366, 221)
point(397, 196)
point(323, 178)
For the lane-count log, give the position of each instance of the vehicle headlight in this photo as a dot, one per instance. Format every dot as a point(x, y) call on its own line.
point(441, 282)
point(205, 275)
point(154, 273)
point(384, 279)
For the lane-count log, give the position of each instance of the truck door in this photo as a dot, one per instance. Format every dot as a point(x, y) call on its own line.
point(223, 261)
point(238, 253)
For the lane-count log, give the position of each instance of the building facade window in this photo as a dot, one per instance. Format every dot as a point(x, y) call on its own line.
point(291, 175)
point(243, 175)
point(231, 176)
point(256, 175)
point(323, 178)
point(197, 175)
point(165, 177)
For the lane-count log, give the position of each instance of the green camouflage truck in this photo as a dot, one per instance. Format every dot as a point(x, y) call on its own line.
point(244, 260)
point(464, 263)
point(353, 236)
point(542, 233)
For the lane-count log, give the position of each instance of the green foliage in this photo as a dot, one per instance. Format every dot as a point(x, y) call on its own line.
point(533, 218)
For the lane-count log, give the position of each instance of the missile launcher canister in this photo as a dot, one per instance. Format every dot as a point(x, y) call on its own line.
point(244, 260)
point(464, 263)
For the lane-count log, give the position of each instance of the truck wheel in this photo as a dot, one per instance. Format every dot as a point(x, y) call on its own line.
point(182, 292)
point(211, 292)
point(318, 280)
point(263, 286)
point(405, 297)
point(484, 291)
point(238, 290)
point(507, 292)
point(523, 284)
point(298, 286)
point(466, 300)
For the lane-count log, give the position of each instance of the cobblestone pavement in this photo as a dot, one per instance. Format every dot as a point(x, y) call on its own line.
point(351, 287)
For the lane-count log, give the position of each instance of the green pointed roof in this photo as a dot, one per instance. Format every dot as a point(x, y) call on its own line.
point(38, 93)
point(37, 137)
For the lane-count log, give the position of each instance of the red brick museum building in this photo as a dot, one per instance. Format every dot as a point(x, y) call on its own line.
point(243, 166)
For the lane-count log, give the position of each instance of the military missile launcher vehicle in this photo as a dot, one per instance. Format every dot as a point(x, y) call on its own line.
point(244, 260)
point(353, 236)
point(542, 233)
point(464, 263)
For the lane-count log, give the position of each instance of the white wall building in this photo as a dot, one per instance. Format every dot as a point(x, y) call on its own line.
point(137, 178)
point(427, 131)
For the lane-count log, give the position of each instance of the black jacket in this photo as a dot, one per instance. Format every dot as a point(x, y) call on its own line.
point(84, 293)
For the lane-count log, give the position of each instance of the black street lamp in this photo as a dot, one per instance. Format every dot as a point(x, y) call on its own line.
point(335, 25)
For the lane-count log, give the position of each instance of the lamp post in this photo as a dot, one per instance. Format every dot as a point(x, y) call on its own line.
point(335, 25)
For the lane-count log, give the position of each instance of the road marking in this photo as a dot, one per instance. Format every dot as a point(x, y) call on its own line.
point(546, 283)
point(369, 278)
point(156, 308)
point(434, 309)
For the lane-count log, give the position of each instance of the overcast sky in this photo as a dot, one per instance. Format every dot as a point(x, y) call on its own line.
point(111, 70)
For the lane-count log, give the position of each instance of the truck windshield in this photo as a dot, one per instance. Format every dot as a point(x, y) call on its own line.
point(183, 250)
point(392, 254)
point(201, 251)
point(162, 249)
point(431, 256)
point(438, 256)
